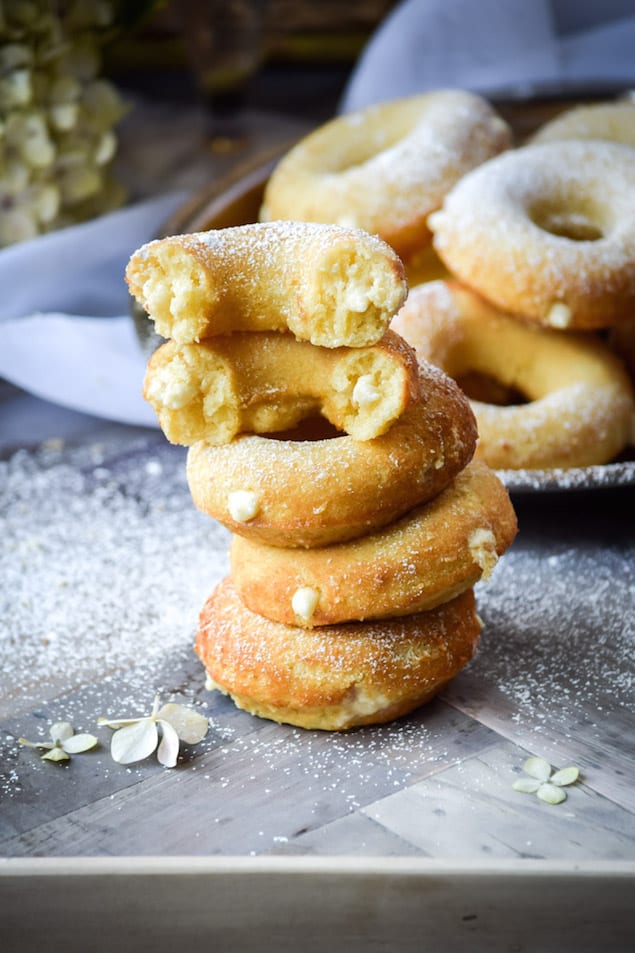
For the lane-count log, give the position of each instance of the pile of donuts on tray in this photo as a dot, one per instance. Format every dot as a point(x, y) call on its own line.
point(326, 409)
point(521, 260)
point(341, 465)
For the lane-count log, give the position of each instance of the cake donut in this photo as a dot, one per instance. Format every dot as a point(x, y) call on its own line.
point(310, 492)
point(614, 121)
point(266, 382)
point(547, 232)
point(328, 285)
point(336, 677)
point(426, 558)
point(386, 167)
point(577, 402)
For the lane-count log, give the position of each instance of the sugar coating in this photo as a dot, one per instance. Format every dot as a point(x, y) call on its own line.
point(504, 230)
point(387, 167)
point(330, 285)
point(578, 400)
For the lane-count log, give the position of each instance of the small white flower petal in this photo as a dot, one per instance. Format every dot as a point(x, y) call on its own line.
point(537, 768)
point(190, 726)
point(79, 743)
point(551, 794)
point(169, 748)
point(56, 754)
point(61, 730)
point(134, 742)
point(526, 785)
point(36, 744)
point(565, 776)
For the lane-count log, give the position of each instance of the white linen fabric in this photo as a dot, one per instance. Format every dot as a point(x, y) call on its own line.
point(496, 47)
point(65, 329)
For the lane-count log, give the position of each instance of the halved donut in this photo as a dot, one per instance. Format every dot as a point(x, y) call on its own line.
point(261, 383)
point(328, 285)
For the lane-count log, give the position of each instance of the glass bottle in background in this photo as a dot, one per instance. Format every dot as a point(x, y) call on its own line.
point(225, 43)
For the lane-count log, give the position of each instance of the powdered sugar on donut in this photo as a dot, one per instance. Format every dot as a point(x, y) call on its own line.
point(547, 224)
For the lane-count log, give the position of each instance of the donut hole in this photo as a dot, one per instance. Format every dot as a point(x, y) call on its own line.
point(578, 223)
point(489, 390)
point(312, 428)
point(378, 136)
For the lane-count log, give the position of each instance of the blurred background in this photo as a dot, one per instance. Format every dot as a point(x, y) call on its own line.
point(106, 101)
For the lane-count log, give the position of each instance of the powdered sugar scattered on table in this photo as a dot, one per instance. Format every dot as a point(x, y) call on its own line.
point(99, 561)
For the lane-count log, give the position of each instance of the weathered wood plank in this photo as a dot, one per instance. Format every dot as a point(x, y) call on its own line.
point(411, 905)
point(355, 835)
point(471, 811)
point(555, 668)
point(263, 783)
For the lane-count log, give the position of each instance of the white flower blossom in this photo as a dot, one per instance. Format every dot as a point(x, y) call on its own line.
point(166, 726)
point(543, 783)
point(64, 742)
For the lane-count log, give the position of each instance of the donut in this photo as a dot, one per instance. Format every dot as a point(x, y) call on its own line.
point(269, 381)
point(386, 167)
point(425, 265)
point(427, 557)
point(547, 232)
point(577, 402)
point(336, 677)
point(311, 492)
point(331, 286)
point(614, 121)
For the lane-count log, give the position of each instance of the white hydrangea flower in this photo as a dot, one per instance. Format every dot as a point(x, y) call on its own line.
point(135, 739)
point(543, 783)
point(64, 742)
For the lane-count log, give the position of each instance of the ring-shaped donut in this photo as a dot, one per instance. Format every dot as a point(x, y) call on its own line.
point(311, 492)
point(386, 167)
point(614, 122)
point(427, 557)
point(547, 232)
point(337, 677)
point(579, 400)
point(261, 383)
point(331, 286)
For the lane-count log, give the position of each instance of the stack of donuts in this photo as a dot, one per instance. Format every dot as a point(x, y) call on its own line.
point(341, 465)
point(522, 259)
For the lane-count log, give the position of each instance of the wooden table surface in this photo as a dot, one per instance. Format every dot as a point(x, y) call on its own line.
point(553, 677)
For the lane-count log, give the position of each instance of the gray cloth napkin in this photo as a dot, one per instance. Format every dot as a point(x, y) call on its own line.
point(496, 47)
point(65, 330)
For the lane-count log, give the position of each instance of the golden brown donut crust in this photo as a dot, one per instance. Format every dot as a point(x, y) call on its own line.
point(262, 383)
point(386, 167)
point(314, 492)
point(547, 232)
point(337, 677)
point(579, 406)
point(614, 121)
point(416, 563)
point(328, 285)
